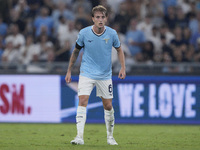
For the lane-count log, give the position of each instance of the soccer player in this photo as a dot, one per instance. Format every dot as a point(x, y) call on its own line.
point(96, 70)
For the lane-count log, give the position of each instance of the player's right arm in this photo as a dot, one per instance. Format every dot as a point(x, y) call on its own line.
point(75, 53)
point(72, 60)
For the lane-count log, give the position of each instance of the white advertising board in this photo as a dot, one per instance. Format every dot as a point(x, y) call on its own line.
point(30, 98)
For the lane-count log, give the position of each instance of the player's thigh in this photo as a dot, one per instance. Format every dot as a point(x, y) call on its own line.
point(85, 86)
point(104, 89)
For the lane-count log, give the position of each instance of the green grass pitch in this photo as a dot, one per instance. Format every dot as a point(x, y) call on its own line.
point(129, 137)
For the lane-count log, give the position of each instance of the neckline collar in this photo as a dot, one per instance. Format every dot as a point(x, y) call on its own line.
point(97, 33)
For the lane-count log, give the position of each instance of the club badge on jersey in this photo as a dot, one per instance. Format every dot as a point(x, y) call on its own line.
point(106, 40)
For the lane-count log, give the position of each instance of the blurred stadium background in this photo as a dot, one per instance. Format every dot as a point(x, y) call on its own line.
point(161, 41)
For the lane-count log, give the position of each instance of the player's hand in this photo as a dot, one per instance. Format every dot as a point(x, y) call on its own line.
point(122, 73)
point(68, 78)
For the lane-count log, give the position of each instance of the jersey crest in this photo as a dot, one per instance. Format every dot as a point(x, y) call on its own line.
point(106, 40)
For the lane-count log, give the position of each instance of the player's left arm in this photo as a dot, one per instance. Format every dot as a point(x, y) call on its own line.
point(122, 72)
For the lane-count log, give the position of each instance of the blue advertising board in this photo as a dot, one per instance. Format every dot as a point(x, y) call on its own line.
point(140, 99)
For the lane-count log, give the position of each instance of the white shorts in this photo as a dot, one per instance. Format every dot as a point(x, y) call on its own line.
point(104, 88)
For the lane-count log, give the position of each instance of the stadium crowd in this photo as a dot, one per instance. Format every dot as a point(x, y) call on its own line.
point(149, 30)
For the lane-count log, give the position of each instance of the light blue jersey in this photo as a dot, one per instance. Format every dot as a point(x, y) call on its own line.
point(97, 52)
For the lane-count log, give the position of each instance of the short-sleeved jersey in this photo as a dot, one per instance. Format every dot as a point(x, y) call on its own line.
point(97, 52)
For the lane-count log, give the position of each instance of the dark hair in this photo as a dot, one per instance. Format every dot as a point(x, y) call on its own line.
point(99, 8)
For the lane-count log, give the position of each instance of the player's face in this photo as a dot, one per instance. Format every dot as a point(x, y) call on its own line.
point(99, 19)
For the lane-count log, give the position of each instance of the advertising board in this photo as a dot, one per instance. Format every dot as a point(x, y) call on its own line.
point(137, 99)
point(141, 99)
point(30, 98)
